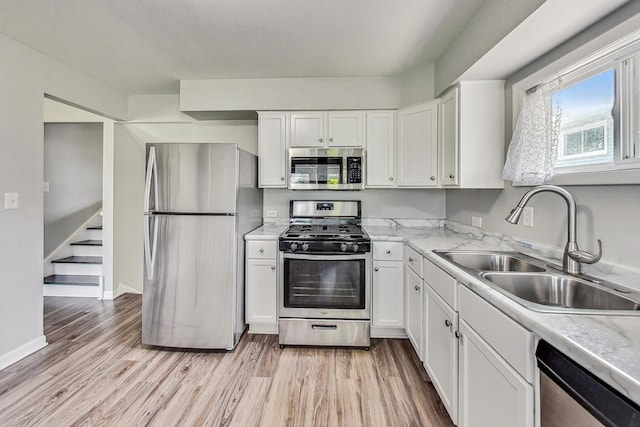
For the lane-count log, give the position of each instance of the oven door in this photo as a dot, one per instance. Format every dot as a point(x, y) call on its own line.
point(325, 286)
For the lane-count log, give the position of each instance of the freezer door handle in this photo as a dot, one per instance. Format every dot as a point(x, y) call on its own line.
point(151, 179)
point(150, 245)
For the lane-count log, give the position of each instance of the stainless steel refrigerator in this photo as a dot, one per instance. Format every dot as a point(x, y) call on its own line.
point(200, 200)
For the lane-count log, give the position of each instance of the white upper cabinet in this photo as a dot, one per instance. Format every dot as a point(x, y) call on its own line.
point(345, 129)
point(380, 149)
point(324, 130)
point(307, 130)
point(272, 150)
point(417, 146)
point(471, 135)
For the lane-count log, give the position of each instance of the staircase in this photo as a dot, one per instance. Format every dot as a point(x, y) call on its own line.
point(77, 266)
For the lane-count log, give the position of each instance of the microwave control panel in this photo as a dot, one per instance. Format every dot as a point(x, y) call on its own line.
point(354, 170)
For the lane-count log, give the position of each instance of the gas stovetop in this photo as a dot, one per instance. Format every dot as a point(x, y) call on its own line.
point(325, 227)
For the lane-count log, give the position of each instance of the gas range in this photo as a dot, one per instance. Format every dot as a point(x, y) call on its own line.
point(325, 227)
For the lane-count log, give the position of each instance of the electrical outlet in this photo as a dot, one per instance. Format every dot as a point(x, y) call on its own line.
point(11, 200)
point(45, 187)
point(527, 217)
point(272, 213)
point(476, 221)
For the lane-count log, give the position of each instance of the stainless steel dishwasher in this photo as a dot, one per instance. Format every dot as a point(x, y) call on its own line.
point(572, 396)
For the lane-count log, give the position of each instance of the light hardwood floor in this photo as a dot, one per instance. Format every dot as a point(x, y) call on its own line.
point(96, 372)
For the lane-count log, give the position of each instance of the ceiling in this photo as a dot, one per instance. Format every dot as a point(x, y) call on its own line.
point(148, 46)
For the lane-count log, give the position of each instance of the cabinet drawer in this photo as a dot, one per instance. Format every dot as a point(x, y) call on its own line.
point(261, 249)
point(387, 251)
point(511, 341)
point(443, 284)
point(413, 259)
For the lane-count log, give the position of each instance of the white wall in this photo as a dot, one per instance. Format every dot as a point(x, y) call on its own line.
point(418, 85)
point(609, 213)
point(376, 203)
point(73, 170)
point(26, 77)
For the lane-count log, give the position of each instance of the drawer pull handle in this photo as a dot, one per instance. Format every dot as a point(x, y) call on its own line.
point(376, 269)
point(417, 288)
point(458, 334)
point(261, 250)
point(410, 259)
point(452, 176)
point(388, 251)
point(331, 327)
point(273, 267)
point(447, 323)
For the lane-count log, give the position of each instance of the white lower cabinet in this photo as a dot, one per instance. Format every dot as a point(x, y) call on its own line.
point(413, 309)
point(481, 362)
point(492, 393)
point(441, 349)
point(261, 281)
point(387, 300)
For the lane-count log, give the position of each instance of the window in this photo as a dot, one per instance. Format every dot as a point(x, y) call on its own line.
point(585, 110)
point(592, 115)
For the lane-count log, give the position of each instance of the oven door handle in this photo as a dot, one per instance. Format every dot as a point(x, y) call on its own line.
point(318, 257)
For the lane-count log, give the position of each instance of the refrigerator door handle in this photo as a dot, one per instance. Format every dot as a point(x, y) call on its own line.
point(151, 179)
point(150, 246)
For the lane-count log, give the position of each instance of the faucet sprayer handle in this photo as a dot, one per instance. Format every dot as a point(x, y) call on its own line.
point(586, 257)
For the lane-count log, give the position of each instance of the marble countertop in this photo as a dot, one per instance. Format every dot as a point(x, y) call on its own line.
point(607, 346)
point(269, 231)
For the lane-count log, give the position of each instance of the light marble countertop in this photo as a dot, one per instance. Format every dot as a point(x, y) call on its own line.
point(607, 346)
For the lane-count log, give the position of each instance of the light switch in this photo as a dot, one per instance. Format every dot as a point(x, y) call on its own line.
point(11, 200)
point(476, 221)
point(45, 187)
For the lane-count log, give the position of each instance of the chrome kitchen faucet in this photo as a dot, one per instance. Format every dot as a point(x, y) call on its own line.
point(572, 255)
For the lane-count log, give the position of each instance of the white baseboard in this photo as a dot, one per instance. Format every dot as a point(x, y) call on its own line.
point(263, 328)
point(107, 295)
point(380, 332)
point(123, 289)
point(23, 351)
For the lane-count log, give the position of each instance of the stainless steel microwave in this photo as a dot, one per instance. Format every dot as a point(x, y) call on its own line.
point(326, 169)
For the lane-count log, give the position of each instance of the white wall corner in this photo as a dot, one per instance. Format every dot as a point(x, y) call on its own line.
point(23, 351)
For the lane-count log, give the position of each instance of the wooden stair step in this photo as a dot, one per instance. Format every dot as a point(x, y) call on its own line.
point(95, 227)
point(87, 243)
point(79, 260)
point(72, 279)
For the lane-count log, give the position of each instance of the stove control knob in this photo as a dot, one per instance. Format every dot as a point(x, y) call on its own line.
point(355, 247)
point(343, 247)
point(305, 246)
point(293, 246)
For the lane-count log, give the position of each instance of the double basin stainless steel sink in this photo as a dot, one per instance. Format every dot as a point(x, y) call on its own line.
point(541, 287)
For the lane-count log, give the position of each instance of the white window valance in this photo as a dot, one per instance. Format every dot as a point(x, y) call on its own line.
point(534, 146)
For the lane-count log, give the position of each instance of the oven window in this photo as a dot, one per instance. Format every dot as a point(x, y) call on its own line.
point(316, 170)
point(324, 283)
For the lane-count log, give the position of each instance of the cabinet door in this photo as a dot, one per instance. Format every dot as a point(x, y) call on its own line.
point(441, 349)
point(261, 285)
point(448, 138)
point(272, 149)
point(345, 129)
point(491, 392)
point(380, 149)
point(307, 130)
point(417, 149)
point(413, 309)
point(388, 294)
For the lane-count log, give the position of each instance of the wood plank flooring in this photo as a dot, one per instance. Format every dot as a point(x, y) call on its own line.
point(95, 372)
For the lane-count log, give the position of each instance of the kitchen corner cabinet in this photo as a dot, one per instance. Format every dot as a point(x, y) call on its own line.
point(387, 314)
point(471, 135)
point(272, 150)
point(261, 281)
point(380, 156)
point(326, 130)
point(417, 146)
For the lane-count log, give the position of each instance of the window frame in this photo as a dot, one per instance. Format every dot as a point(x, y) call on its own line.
point(581, 130)
point(589, 60)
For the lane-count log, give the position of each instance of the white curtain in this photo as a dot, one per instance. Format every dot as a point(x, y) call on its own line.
point(534, 146)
